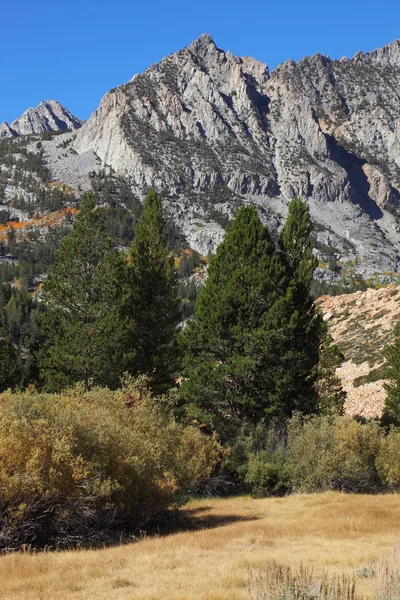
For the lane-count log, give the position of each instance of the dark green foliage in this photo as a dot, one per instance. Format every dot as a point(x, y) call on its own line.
point(188, 262)
point(237, 348)
point(258, 456)
point(8, 364)
point(83, 296)
point(252, 349)
point(20, 327)
point(308, 329)
point(328, 385)
point(344, 285)
point(153, 305)
point(123, 208)
point(372, 376)
point(391, 413)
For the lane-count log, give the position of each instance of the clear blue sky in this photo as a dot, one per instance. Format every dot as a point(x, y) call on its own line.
point(75, 51)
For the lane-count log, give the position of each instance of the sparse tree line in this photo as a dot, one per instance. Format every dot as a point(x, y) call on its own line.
point(113, 439)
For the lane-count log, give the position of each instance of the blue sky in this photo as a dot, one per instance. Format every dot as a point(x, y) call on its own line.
point(75, 51)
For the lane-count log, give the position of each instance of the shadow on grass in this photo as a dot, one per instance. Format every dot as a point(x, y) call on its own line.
point(191, 519)
point(170, 522)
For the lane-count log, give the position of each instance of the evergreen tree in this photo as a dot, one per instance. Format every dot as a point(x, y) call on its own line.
point(391, 411)
point(8, 364)
point(83, 296)
point(153, 300)
point(331, 395)
point(308, 330)
point(237, 351)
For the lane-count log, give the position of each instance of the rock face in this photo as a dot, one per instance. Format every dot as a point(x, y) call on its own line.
point(362, 325)
point(215, 130)
point(47, 116)
point(6, 131)
point(212, 130)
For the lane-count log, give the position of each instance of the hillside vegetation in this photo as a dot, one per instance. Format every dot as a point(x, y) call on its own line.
point(222, 543)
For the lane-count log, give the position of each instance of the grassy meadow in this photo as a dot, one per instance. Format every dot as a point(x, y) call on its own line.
point(221, 542)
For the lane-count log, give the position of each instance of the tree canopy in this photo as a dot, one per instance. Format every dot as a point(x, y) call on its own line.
point(83, 295)
point(153, 305)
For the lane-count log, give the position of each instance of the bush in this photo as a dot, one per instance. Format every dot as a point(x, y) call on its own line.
point(259, 457)
point(82, 466)
point(388, 460)
point(317, 454)
point(333, 453)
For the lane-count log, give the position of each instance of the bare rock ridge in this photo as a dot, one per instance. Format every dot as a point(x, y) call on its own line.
point(214, 130)
point(47, 116)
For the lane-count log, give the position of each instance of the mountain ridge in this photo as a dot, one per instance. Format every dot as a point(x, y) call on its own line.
point(211, 130)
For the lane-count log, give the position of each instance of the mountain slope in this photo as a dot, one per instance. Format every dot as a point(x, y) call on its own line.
point(212, 130)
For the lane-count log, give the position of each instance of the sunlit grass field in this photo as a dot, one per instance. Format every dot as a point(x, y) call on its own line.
point(213, 560)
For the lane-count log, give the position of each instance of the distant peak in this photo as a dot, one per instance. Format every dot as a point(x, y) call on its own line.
point(203, 44)
point(387, 54)
point(49, 115)
point(205, 38)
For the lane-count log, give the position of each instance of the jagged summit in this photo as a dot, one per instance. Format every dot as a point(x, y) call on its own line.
point(49, 115)
point(203, 45)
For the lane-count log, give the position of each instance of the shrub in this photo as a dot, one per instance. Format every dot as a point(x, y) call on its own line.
point(259, 457)
point(333, 453)
point(84, 466)
point(316, 454)
point(388, 460)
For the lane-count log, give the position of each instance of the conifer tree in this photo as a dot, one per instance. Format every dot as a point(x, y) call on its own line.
point(331, 395)
point(237, 348)
point(391, 411)
point(8, 364)
point(307, 327)
point(83, 296)
point(153, 305)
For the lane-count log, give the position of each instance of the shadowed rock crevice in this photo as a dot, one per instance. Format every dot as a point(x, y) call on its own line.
point(360, 187)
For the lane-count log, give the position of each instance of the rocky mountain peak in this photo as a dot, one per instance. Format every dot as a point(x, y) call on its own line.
point(389, 54)
point(214, 130)
point(49, 116)
point(203, 45)
point(6, 131)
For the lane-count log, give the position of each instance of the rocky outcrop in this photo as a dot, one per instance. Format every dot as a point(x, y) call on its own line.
point(362, 325)
point(6, 131)
point(47, 116)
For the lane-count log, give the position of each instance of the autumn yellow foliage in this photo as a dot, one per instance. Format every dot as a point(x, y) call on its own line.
point(83, 464)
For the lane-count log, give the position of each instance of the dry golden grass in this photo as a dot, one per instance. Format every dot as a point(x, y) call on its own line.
point(336, 533)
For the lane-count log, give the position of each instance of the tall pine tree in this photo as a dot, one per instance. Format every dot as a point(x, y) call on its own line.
point(153, 306)
point(307, 327)
point(237, 349)
point(83, 296)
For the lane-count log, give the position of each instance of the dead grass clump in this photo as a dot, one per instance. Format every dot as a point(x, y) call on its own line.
point(279, 582)
point(387, 577)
